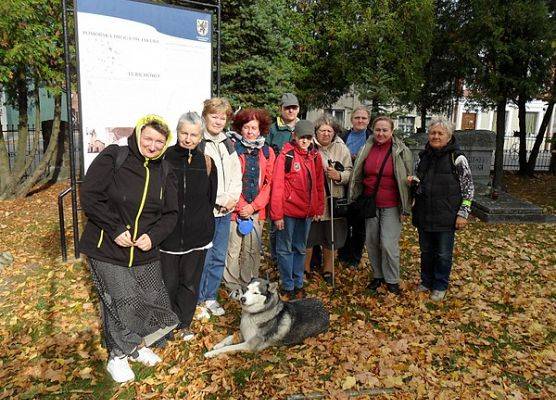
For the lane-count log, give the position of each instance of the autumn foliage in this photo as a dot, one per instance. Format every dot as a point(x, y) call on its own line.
point(493, 336)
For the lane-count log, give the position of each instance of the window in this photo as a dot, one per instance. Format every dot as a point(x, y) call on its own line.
point(338, 115)
point(531, 123)
point(406, 125)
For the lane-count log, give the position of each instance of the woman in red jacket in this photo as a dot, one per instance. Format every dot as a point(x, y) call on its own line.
point(257, 163)
point(297, 198)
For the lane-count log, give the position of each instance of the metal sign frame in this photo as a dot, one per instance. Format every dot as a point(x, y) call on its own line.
point(213, 6)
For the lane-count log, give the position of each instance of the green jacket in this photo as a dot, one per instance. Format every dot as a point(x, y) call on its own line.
point(403, 167)
point(278, 135)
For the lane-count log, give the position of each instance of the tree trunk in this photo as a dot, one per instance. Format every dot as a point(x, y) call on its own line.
point(26, 187)
point(498, 179)
point(530, 168)
point(522, 134)
point(423, 119)
point(4, 162)
point(375, 109)
point(23, 124)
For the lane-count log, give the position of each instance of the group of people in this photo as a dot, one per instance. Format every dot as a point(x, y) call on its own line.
point(168, 225)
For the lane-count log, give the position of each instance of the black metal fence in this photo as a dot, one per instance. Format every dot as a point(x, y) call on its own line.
point(511, 154)
point(11, 139)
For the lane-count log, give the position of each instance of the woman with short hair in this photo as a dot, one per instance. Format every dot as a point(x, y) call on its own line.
point(257, 164)
point(334, 153)
point(183, 253)
point(216, 144)
point(129, 198)
point(443, 188)
point(380, 171)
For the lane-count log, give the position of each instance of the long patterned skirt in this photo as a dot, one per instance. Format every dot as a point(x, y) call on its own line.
point(135, 307)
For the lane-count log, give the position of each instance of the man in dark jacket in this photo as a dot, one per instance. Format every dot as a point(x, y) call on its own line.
point(355, 139)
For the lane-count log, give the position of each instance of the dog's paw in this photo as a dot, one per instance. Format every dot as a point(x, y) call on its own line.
point(210, 354)
point(219, 346)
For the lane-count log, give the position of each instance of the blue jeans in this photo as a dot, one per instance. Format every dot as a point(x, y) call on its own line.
point(215, 260)
point(290, 251)
point(436, 258)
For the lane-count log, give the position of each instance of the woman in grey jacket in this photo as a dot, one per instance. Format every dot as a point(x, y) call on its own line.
point(383, 151)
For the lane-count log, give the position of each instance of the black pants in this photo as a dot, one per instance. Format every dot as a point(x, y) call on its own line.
point(355, 240)
point(182, 276)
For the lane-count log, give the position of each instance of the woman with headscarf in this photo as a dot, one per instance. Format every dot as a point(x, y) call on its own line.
point(129, 199)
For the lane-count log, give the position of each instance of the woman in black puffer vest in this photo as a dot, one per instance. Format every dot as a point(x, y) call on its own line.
point(443, 191)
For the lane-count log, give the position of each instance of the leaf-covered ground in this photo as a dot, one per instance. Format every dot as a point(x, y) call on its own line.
point(493, 337)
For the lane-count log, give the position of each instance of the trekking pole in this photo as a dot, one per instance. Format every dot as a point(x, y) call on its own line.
point(332, 236)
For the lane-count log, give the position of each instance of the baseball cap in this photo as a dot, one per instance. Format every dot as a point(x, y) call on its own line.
point(304, 128)
point(289, 99)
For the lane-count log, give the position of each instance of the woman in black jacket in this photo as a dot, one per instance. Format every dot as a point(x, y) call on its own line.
point(183, 252)
point(131, 205)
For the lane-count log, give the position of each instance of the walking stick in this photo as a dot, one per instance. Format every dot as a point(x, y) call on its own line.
point(332, 236)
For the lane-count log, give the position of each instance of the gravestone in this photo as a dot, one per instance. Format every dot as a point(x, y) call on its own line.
point(478, 147)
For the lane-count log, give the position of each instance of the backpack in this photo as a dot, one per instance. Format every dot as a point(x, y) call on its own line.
point(288, 161)
point(227, 142)
point(123, 152)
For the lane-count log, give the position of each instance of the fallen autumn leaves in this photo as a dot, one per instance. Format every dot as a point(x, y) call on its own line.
point(493, 337)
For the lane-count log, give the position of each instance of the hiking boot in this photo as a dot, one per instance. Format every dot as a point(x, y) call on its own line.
point(119, 369)
point(214, 307)
point(299, 293)
point(438, 295)
point(422, 288)
point(287, 295)
point(327, 277)
point(146, 357)
point(375, 284)
point(393, 288)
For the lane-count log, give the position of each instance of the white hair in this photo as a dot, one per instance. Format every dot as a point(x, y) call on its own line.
point(444, 123)
point(190, 117)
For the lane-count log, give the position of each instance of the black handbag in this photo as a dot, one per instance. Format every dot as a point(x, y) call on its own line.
point(365, 206)
point(340, 207)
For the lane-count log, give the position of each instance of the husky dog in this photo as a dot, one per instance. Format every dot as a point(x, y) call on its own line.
point(268, 321)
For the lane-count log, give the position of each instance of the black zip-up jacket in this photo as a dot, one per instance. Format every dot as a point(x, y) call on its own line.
point(196, 199)
point(132, 198)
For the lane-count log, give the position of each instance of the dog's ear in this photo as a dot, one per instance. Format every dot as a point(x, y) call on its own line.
point(273, 287)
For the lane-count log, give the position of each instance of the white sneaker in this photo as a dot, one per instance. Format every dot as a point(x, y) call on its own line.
point(147, 357)
point(119, 369)
point(214, 307)
point(201, 313)
point(186, 335)
point(438, 295)
point(422, 288)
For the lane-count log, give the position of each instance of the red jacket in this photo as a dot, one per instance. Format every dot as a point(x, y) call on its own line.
point(300, 192)
point(266, 167)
